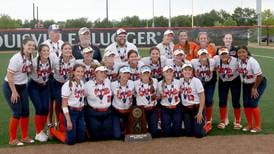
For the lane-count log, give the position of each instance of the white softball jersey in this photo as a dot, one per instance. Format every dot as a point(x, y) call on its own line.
point(62, 70)
point(113, 71)
point(135, 72)
point(19, 66)
point(121, 52)
point(122, 99)
point(249, 70)
point(40, 73)
point(177, 68)
point(166, 50)
point(144, 97)
point(54, 47)
point(190, 91)
point(203, 72)
point(89, 72)
point(156, 69)
point(75, 93)
point(98, 95)
point(227, 72)
point(170, 94)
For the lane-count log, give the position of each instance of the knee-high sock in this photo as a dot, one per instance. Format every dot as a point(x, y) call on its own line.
point(248, 114)
point(257, 117)
point(208, 113)
point(37, 122)
point(13, 127)
point(237, 115)
point(58, 134)
point(24, 122)
point(223, 113)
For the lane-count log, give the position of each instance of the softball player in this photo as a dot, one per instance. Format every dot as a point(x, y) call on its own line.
point(169, 91)
point(204, 69)
point(156, 63)
point(38, 88)
point(227, 39)
point(193, 100)
point(112, 65)
point(54, 42)
point(229, 79)
point(73, 93)
point(187, 46)
point(254, 84)
point(16, 93)
point(204, 43)
point(98, 112)
point(121, 46)
point(62, 67)
point(123, 90)
point(167, 45)
point(177, 63)
point(89, 63)
point(135, 64)
point(146, 96)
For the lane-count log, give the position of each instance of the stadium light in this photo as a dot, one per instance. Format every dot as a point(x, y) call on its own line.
point(153, 22)
point(169, 20)
point(259, 15)
point(192, 14)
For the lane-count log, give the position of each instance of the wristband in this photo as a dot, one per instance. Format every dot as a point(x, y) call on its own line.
point(65, 110)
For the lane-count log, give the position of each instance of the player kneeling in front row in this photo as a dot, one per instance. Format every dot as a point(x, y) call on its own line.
point(72, 105)
point(193, 100)
point(146, 96)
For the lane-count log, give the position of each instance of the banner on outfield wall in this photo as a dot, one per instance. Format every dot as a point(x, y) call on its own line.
point(142, 37)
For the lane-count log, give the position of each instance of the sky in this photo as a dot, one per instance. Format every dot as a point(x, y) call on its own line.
point(60, 10)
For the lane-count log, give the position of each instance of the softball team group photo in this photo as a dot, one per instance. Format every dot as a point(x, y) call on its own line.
point(79, 94)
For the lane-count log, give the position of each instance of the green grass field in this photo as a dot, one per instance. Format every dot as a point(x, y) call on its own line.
point(266, 103)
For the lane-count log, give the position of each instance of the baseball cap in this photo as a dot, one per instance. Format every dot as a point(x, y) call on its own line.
point(101, 68)
point(202, 51)
point(124, 69)
point(83, 30)
point(87, 49)
point(54, 28)
point(187, 65)
point(223, 50)
point(108, 53)
point(121, 31)
point(168, 32)
point(178, 51)
point(145, 68)
point(167, 68)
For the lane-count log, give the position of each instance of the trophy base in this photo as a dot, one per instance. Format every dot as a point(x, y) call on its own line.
point(137, 137)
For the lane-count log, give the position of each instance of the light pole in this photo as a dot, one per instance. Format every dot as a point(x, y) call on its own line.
point(153, 22)
point(169, 20)
point(259, 14)
point(192, 14)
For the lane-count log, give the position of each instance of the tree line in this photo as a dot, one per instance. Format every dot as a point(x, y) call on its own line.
point(239, 17)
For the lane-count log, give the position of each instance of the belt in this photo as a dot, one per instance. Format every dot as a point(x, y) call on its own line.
point(123, 110)
point(149, 107)
point(76, 108)
point(100, 109)
point(171, 107)
point(192, 106)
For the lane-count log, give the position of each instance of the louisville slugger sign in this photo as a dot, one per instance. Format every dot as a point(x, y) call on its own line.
point(142, 37)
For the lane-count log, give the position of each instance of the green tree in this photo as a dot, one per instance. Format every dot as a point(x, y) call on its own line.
point(268, 20)
point(78, 23)
point(245, 17)
point(7, 22)
point(181, 21)
point(47, 23)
